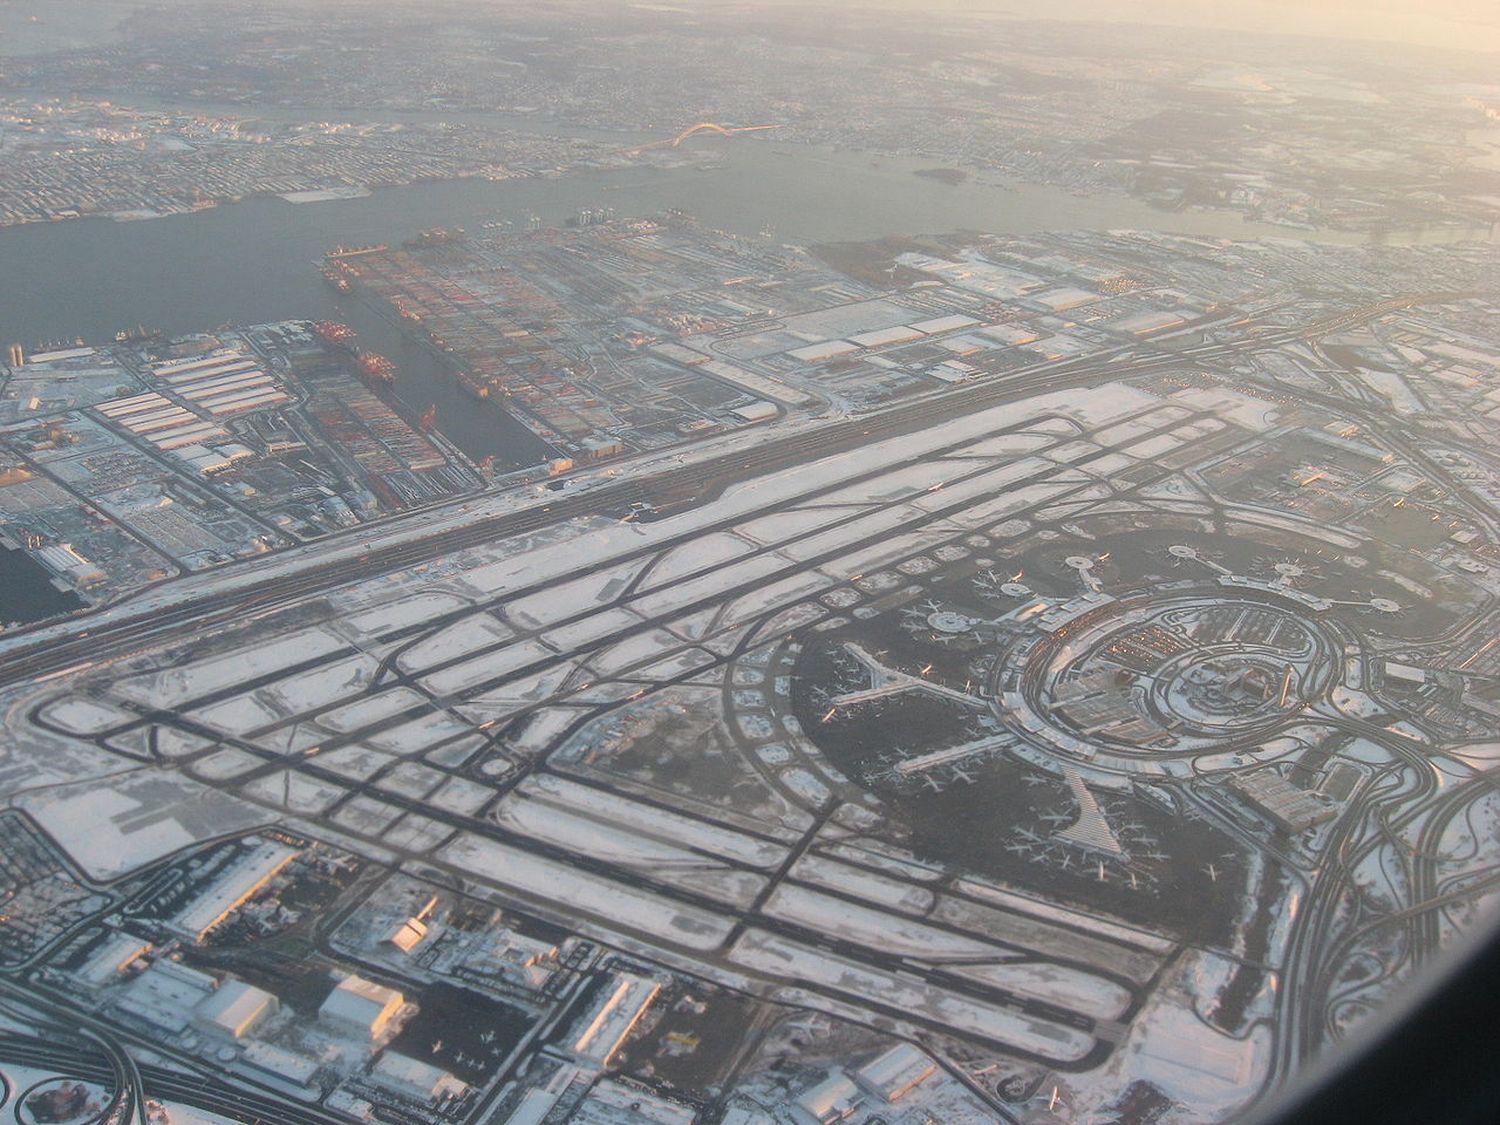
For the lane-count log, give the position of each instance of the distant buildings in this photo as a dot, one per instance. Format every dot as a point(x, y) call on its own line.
point(200, 449)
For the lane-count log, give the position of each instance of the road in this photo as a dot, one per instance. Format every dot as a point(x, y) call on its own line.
point(158, 1082)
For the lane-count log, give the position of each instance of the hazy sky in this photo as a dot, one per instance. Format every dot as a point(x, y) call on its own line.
point(1458, 24)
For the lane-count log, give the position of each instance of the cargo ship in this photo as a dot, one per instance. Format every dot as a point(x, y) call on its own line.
point(332, 332)
point(473, 386)
point(375, 368)
point(137, 334)
point(437, 236)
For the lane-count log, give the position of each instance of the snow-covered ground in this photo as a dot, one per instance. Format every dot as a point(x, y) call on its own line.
point(1055, 984)
point(621, 847)
point(868, 885)
point(1206, 1072)
point(551, 881)
point(767, 953)
point(874, 928)
point(110, 829)
point(685, 830)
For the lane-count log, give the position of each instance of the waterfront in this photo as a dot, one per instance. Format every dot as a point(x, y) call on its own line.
point(254, 261)
point(26, 590)
point(35, 27)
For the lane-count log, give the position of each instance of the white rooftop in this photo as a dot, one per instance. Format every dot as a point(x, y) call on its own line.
point(408, 1075)
point(361, 1003)
point(235, 1008)
point(894, 1072)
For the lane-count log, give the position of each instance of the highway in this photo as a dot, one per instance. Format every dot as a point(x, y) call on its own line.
point(1335, 916)
point(158, 1082)
point(81, 1053)
point(82, 1045)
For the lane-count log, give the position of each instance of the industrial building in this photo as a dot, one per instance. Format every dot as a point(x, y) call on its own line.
point(241, 881)
point(216, 459)
point(165, 995)
point(162, 422)
point(412, 1078)
point(1282, 803)
point(225, 382)
point(511, 956)
point(64, 558)
point(361, 1008)
point(114, 956)
point(539, 1100)
point(834, 1099)
point(614, 1103)
point(1063, 298)
point(757, 411)
point(1148, 323)
point(235, 1009)
point(747, 1115)
point(1404, 675)
point(265, 1061)
point(893, 1074)
point(614, 1015)
point(411, 933)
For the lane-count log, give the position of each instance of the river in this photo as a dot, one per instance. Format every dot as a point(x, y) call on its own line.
point(254, 261)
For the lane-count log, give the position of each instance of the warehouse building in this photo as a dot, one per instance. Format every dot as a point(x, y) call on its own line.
point(895, 1073)
point(834, 1099)
point(235, 1010)
point(412, 1078)
point(165, 995)
point(236, 885)
point(1290, 809)
point(113, 956)
point(266, 1062)
point(609, 1023)
point(361, 1008)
